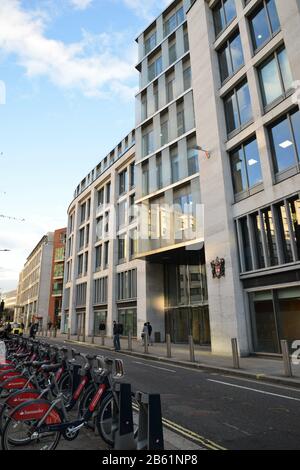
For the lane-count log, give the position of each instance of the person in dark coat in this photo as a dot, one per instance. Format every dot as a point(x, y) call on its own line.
point(116, 334)
point(33, 330)
point(150, 333)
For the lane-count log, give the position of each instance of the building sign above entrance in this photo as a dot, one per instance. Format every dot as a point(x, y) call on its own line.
point(218, 268)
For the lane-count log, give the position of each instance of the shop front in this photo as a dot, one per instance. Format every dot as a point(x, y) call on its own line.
point(275, 316)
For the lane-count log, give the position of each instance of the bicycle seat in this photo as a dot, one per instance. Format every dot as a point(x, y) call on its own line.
point(90, 357)
point(51, 367)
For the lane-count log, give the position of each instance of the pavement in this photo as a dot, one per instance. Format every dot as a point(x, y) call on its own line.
point(268, 369)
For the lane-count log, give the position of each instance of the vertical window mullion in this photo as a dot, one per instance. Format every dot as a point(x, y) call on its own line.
point(294, 140)
point(238, 107)
point(255, 264)
point(291, 230)
point(268, 18)
point(264, 240)
point(246, 167)
point(279, 241)
point(241, 246)
point(279, 72)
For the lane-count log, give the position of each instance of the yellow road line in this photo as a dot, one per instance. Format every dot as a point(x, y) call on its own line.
point(189, 434)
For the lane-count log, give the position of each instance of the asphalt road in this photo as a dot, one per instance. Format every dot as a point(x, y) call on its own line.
point(230, 412)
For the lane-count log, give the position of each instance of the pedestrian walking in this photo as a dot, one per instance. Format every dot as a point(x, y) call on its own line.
point(150, 333)
point(116, 334)
point(32, 331)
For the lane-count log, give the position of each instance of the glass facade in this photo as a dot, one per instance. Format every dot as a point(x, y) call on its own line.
point(238, 110)
point(285, 141)
point(128, 318)
point(275, 316)
point(245, 167)
point(264, 23)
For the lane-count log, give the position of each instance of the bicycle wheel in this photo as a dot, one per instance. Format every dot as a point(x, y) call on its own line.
point(19, 432)
point(85, 403)
point(104, 419)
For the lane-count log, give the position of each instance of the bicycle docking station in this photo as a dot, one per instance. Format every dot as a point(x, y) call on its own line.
point(150, 430)
point(122, 420)
point(150, 426)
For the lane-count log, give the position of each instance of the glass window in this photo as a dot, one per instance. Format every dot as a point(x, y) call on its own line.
point(150, 43)
point(155, 69)
point(245, 166)
point(238, 109)
point(108, 186)
point(100, 322)
point(187, 78)
point(164, 130)
point(174, 165)
point(106, 252)
point(175, 20)
point(158, 172)
point(275, 77)
point(172, 54)
point(264, 23)
point(121, 248)
point(100, 197)
point(224, 12)
point(170, 90)
point(123, 180)
point(286, 236)
point(99, 228)
point(285, 141)
point(98, 257)
point(231, 57)
point(264, 322)
point(246, 244)
point(122, 214)
point(294, 205)
point(192, 154)
point(128, 318)
point(148, 143)
point(258, 240)
point(269, 228)
point(145, 179)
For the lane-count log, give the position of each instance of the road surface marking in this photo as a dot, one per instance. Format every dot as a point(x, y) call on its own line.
point(254, 390)
point(155, 367)
point(262, 382)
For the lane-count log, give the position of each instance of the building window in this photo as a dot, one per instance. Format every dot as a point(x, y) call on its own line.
point(275, 77)
point(156, 97)
point(86, 262)
point(164, 129)
point(144, 107)
point(155, 69)
point(108, 189)
point(223, 13)
point(121, 248)
point(246, 244)
point(132, 175)
point(145, 179)
point(100, 320)
point(238, 110)
point(123, 182)
point(285, 141)
point(98, 257)
point(128, 318)
point(158, 172)
point(148, 143)
point(82, 213)
point(59, 254)
point(133, 243)
point(175, 20)
point(80, 265)
point(100, 291)
point(87, 235)
point(150, 43)
point(174, 165)
point(106, 254)
point(122, 214)
point(81, 295)
point(127, 285)
point(81, 238)
point(170, 88)
point(99, 228)
point(231, 57)
point(264, 23)
point(58, 270)
point(100, 197)
point(187, 78)
point(172, 53)
point(245, 167)
point(132, 208)
point(106, 223)
point(192, 155)
point(180, 119)
point(186, 40)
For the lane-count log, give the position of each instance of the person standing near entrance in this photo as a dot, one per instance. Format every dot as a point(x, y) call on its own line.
point(116, 333)
point(150, 333)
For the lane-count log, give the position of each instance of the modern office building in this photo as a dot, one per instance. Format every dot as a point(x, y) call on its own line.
point(217, 184)
point(103, 281)
point(245, 58)
point(57, 277)
point(34, 284)
point(168, 186)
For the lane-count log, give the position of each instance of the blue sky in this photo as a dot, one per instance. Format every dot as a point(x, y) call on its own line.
point(68, 69)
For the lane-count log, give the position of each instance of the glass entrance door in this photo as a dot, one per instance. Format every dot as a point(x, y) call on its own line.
point(200, 326)
point(185, 321)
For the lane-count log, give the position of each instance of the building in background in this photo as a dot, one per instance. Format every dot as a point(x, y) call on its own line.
point(34, 284)
point(57, 277)
point(245, 59)
point(10, 300)
point(103, 282)
point(168, 184)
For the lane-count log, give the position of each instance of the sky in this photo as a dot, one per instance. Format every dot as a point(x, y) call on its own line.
point(67, 85)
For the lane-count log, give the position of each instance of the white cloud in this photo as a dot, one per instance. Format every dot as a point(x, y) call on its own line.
point(94, 65)
point(81, 4)
point(146, 9)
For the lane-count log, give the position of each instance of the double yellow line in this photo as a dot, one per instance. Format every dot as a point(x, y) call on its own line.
point(192, 435)
point(196, 438)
